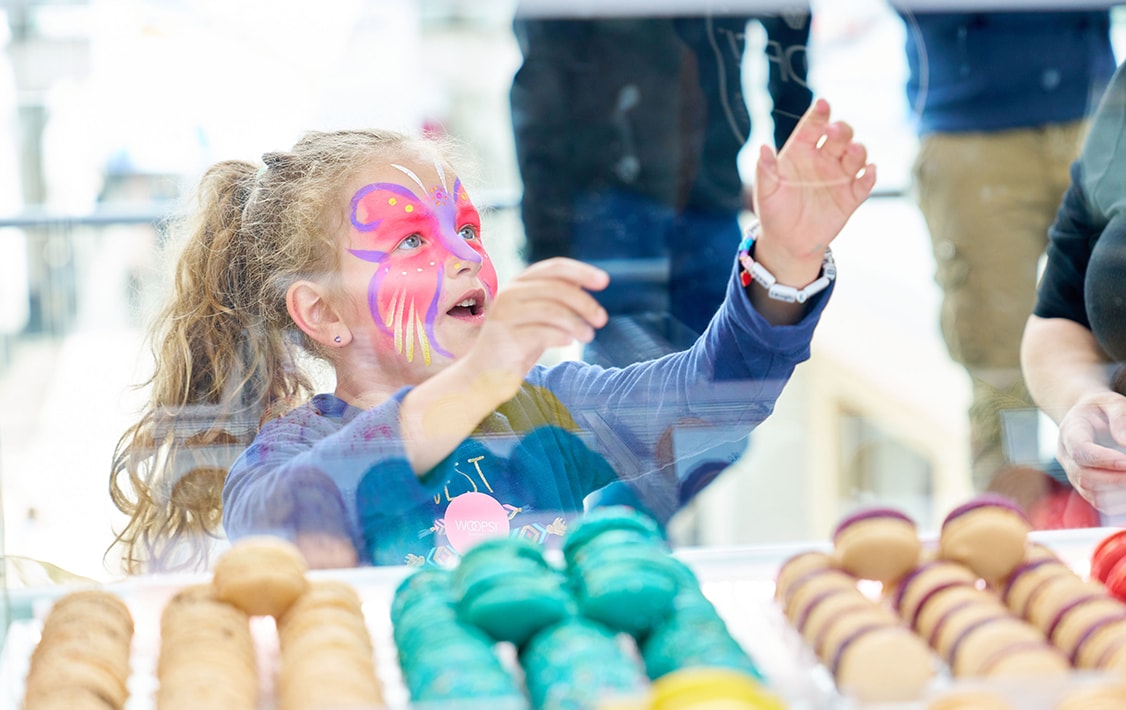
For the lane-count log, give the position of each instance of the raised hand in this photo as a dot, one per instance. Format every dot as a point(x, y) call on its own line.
point(806, 193)
point(547, 305)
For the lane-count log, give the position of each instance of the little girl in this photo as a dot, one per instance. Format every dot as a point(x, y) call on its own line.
point(364, 249)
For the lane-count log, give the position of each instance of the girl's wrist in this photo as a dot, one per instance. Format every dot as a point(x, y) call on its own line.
point(787, 268)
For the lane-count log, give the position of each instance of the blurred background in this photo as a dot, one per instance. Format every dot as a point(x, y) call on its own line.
point(110, 109)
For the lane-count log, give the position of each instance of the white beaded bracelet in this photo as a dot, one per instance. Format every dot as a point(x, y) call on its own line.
point(754, 271)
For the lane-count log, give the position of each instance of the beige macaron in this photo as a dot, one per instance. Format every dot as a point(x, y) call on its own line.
point(883, 664)
point(988, 534)
point(260, 575)
point(797, 566)
point(880, 544)
point(924, 581)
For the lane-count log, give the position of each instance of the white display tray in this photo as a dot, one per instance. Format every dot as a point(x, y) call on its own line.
point(738, 581)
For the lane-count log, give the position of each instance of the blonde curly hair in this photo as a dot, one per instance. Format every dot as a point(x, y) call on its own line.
point(226, 352)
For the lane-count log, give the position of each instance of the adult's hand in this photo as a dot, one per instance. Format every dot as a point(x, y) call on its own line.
point(1092, 449)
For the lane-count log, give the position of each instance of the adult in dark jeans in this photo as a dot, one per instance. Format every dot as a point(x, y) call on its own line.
point(627, 136)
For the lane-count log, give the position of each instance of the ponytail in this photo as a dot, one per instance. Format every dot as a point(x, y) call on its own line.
point(221, 360)
point(225, 348)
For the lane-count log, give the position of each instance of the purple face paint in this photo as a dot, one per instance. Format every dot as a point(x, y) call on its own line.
point(412, 234)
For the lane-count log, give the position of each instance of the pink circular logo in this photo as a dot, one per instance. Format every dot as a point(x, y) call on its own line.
point(473, 517)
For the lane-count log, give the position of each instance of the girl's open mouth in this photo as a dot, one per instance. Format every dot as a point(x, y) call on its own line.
point(468, 307)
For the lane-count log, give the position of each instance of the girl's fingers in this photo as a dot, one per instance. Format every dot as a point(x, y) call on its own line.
point(855, 157)
point(862, 187)
point(571, 271)
point(811, 126)
point(533, 295)
point(766, 171)
point(838, 137)
point(555, 315)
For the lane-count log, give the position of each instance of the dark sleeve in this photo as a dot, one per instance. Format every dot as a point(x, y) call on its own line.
point(720, 126)
point(542, 91)
point(1070, 241)
point(787, 40)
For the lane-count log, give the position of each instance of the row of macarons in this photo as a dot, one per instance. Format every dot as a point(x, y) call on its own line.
point(568, 624)
point(987, 602)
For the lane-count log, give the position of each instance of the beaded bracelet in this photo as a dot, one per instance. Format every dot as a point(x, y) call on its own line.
point(754, 271)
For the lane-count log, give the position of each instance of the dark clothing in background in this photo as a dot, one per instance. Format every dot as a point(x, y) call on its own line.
point(1085, 276)
point(627, 136)
point(976, 71)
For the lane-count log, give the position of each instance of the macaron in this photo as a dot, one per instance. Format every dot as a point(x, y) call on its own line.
point(822, 609)
point(988, 534)
point(881, 544)
point(886, 663)
point(694, 635)
point(627, 524)
point(1115, 579)
point(505, 587)
point(913, 590)
point(262, 575)
point(935, 610)
point(1107, 553)
point(713, 688)
point(796, 567)
point(1082, 624)
point(815, 583)
point(1025, 578)
point(959, 621)
point(1097, 640)
point(424, 583)
point(1026, 660)
point(973, 651)
point(970, 699)
point(1101, 695)
point(443, 660)
point(1077, 612)
point(1038, 550)
point(1056, 595)
point(836, 632)
point(628, 587)
point(688, 641)
point(577, 661)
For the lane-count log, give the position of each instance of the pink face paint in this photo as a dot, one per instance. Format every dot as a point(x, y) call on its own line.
point(405, 292)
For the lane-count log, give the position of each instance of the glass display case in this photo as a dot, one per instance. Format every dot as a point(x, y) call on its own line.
point(623, 133)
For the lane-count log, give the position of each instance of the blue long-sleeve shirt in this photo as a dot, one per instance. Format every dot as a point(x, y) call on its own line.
point(990, 71)
point(573, 429)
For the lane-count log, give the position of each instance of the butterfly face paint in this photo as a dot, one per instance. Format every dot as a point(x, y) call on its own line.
point(414, 234)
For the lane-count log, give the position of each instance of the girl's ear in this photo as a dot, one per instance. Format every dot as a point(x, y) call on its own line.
point(311, 311)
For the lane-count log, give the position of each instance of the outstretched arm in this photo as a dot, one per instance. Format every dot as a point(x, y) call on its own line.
point(803, 197)
point(547, 305)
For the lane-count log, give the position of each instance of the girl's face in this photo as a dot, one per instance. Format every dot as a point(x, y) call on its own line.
point(414, 250)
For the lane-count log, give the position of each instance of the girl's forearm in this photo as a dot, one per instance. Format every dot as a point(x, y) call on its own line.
point(443, 411)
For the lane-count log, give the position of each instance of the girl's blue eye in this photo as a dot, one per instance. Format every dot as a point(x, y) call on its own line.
point(412, 242)
point(468, 232)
